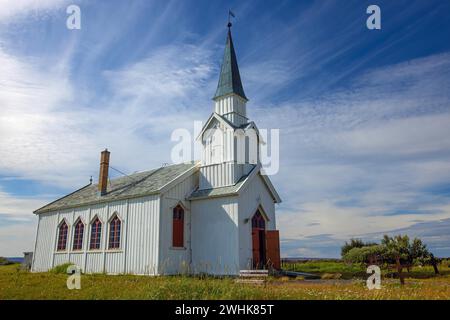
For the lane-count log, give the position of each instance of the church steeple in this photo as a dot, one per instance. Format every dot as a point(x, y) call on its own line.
point(228, 137)
point(230, 79)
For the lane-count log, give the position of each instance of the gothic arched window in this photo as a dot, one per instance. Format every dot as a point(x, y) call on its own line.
point(62, 236)
point(96, 234)
point(78, 235)
point(114, 233)
point(178, 227)
point(258, 221)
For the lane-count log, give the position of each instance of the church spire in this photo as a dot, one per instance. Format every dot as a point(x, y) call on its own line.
point(230, 79)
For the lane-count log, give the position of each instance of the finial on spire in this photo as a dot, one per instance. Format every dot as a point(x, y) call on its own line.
point(230, 14)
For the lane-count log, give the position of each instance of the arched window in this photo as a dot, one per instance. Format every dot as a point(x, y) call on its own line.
point(96, 234)
point(78, 235)
point(258, 221)
point(62, 236)
point(178, 227)
point(114, 233)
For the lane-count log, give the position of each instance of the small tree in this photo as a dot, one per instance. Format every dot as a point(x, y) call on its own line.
point(398, 250)
point(365, 255)
point(354, 243)
point(420, 254)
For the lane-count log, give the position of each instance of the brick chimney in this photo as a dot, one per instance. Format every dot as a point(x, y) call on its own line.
point(103, 177)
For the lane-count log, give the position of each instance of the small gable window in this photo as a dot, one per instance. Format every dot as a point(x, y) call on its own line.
point(96, 234)
point(62, 236)
point(178, 227)
point(78, 235)
point(114, 233)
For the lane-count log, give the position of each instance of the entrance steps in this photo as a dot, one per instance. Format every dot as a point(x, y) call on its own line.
point(253, 276)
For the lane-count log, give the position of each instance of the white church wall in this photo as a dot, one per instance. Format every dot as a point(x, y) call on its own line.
point(78, 257)
point(142, 236)
point(44, 249)
point(137, 254)
point(214, 230)
point(175, 260)
point(114, 259)
point(95, 259)
point(254, 195)
point(219, 175)
point(233, 108)
point(61, 257)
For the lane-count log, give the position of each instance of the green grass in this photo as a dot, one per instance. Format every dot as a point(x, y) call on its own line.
point(17, 284)
point(352, 271)
point(322, 267)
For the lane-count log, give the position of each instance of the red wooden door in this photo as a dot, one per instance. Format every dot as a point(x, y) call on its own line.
point(255, 242)
point(178, 227)
point(273, 249)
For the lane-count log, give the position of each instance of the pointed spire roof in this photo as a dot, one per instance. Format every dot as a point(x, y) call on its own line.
point(230, 79)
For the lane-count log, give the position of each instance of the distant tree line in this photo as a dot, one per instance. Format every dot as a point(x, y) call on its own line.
point(398, 251)
point(4, 261)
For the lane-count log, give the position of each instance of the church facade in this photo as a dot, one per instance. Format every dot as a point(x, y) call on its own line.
point(214, 216)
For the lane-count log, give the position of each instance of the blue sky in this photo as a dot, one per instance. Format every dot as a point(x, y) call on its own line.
point(364, 116)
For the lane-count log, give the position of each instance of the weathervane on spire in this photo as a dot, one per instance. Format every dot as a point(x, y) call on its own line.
point(230, 14)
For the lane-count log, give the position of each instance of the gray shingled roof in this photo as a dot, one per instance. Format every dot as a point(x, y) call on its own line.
point(218, 192)
point(134, 185)
point(229, 79)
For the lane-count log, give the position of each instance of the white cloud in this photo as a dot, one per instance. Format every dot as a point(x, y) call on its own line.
point(18, 207)
point(16, 239)
point(13, 9)
point(17, 223)
point(43, 123)
point(353, 160)
point(170, 73)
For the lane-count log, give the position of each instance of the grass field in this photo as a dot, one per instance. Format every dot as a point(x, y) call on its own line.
point(16, 284)
point(352, 271)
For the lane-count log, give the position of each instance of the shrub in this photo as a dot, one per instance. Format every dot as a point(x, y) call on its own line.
point(364, 254)
point(62, 268)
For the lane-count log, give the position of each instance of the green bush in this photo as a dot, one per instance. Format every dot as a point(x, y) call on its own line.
point(364, 254)
point(62, 268)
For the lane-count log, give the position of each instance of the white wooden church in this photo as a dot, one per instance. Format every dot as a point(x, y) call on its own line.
point(214, 216)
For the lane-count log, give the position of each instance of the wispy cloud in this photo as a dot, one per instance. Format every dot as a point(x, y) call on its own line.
point(369, 152)
point(17, 9)
point(364, 129)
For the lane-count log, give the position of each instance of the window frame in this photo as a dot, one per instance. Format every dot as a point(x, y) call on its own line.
point(66, 236)
point(258, 221)
point(116, 243)
point(78, 236)
point(178, 215)
point(98, 234)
